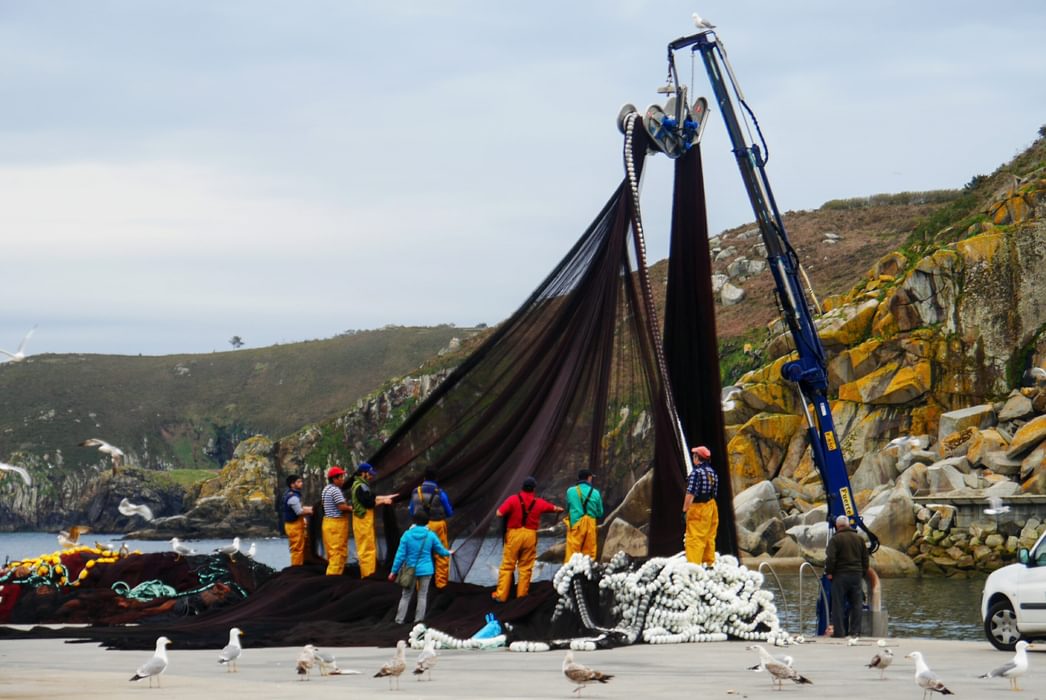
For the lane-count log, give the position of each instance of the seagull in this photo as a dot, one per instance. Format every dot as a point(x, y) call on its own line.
point(1035, 375)
point(305, 661)
point(232, 650)
point(395, 666)
point(253, 550)
point(881, 661)
point(786, 660)
point(926, 679)
point(778, 669)
point(996, 506)
point(329, 665)
point(71, 537)
point(426, 659)
point(231, 549)
point(581, 675)
point(19, 471)
point(700, 22)
point(115, 452)
point(181, 550)
point(19, 354)
point(154, 666)
point(124, 550)
point(1014, 669)
point(127, 508)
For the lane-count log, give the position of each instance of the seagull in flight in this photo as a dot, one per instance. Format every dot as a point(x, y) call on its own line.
point(19, 354)
point(996, 506)
point(1014, 669)
point(115, 452)
point(127, 508)
point(71, 537)
point(700, 22)
point(19, 471)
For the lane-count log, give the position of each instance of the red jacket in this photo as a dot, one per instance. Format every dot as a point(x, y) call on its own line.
point(512, 510)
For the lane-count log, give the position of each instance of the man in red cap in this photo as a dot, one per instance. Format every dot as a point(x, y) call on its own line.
point(700, 512)
point(335, 521)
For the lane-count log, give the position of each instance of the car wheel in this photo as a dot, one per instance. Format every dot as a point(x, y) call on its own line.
point(1000, 626)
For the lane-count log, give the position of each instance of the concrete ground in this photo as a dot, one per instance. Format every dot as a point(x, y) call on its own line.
point(54, 669)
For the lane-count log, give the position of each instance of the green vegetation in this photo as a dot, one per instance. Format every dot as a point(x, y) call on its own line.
point(899, 199)
point(186, 477)
point(188, 411)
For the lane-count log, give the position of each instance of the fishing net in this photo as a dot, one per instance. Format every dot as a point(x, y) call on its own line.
point(575, 378)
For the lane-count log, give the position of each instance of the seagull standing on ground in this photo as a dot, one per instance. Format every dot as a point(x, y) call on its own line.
point(17, 470)
point(779, 671)
point(426, 659)
point(19, 354)
point(881, 661)
point(581, 675)
point(395, 666)
point(115, 452)
point(127, 508)
point(181, 550)
point(305, 662)
point(231, 549)
point(926, 679)
point(1013, 669)
point(231, 653)
point(154, 666)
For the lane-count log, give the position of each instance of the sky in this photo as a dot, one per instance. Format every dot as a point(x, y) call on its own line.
point(173, 174)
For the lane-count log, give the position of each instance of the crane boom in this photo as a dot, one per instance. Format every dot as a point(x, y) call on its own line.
point(673, 131)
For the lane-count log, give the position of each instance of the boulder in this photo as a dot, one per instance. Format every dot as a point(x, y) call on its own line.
point(635, 508)
point(985, 441)
point(892, 517)
point(1017, 406)
point(811, 540)
point(757, 450)
point(756, 504)
point(730, 294)
point(982, 416)
point(623, 537)
point(875, 469)
point(771, 531)
point(1001, 463)
point(944, 477)
point(891, 563)
point(1027, 438)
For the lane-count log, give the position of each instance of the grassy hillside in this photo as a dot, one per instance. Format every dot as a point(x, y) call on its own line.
point(189, 411)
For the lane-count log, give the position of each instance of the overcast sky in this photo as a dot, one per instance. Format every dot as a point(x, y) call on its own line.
point(176, 173)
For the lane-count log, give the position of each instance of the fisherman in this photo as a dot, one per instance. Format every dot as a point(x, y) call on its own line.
point(363, 503)
point(700, 512)
point(294, 519)
point(846, 564)
point(584, 507)
point(431, 500)
point(522, 513)
point(335, 521)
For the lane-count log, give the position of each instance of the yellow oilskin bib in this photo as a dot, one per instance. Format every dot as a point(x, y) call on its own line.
point(521, 548)
point(582, 537)
point(442, 574)
point(336, 544)
point(702, 522)
point(296, 540)
point(366, 547)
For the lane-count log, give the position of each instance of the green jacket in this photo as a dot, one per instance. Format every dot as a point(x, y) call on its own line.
point(576, 502)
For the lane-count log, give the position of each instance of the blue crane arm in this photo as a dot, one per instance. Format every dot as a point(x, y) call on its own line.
point(809, 371)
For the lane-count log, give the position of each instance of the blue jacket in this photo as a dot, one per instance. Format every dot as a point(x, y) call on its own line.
point(416, 547)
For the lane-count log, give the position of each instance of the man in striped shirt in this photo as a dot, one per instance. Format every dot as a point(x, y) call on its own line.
point(700, 512)
point(335, 521)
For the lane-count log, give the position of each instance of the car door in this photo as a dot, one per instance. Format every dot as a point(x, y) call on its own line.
point(1032, 591)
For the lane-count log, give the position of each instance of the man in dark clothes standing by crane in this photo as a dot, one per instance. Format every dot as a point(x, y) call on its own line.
point(845, 565)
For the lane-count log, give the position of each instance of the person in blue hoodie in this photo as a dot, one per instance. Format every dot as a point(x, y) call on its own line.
point(416, 549)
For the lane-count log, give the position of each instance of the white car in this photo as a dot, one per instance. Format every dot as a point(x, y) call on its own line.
point(1013, 605)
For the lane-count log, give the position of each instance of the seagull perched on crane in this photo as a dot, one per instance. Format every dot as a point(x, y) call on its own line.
point(700, 22)
point(19, 354)
point(115, 452)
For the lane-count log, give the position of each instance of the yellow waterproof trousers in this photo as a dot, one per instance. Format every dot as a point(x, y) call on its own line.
point(366, 547)
point(521, 548)
point(702, 522)
point(582, 537)
point(442, 574)
point(336, 544)
point(296, 540)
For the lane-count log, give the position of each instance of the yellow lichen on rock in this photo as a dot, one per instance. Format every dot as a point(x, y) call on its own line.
point(757, 450)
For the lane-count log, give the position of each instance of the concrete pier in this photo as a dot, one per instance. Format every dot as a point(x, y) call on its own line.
point(54, 669)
